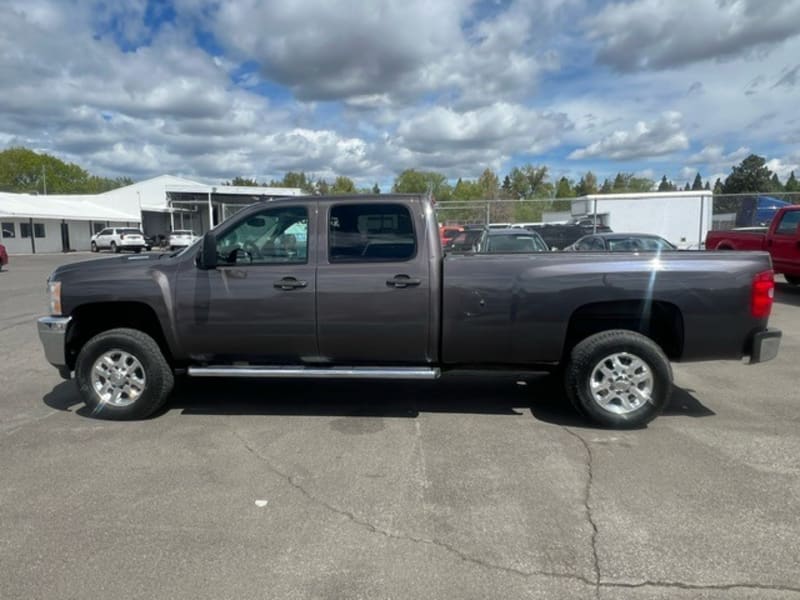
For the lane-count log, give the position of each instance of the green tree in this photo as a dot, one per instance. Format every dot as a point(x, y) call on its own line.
point(792, 185)
point(343, 185)
point(707, 186)
point(467, 190)
point(751, 175)
point(564, 189)
point(697, 184)
point(322, 187)
point(294, 179)
point(587, 185)
point(529, 181)
point(775, 184)
point(489, 184)
point(243, 181)
point(376, 189)
point(718, 187)
point(607, 187)
point(687, 187)
point(412, 181)
point(506, 187)
point(666, 185)
point(24, 171)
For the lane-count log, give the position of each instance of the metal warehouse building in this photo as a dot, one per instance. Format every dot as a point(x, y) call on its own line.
point(61, 223)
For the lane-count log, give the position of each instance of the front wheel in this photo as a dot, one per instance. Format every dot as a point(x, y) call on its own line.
point(122, 374)
point(619, 379)
point(792, 279)
point(94, 247)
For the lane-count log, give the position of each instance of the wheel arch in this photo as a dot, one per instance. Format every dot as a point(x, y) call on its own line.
point(93, 318)
point(658, 320)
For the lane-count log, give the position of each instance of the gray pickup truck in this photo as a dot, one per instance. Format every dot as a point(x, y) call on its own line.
point(358, 287)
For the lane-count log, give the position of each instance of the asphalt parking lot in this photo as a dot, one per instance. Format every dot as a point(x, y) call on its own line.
point(465, 488)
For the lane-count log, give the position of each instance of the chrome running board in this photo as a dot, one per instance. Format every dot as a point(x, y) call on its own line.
point(317, 372)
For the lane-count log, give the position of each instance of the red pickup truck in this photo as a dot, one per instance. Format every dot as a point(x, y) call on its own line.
point(781, 239)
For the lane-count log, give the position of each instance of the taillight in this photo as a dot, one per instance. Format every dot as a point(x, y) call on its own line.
point(122, 236)
point(762, 294)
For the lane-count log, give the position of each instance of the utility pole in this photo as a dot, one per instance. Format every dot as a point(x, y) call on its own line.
point(44, 178)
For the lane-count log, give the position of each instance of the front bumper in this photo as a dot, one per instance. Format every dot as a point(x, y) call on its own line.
point(765, 345)
point(53, 334)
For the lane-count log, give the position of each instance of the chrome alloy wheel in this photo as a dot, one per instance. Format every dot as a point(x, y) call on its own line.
point(621, 383)
point(118, 378)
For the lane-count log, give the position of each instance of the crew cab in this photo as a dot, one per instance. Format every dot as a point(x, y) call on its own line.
point(358, 287)
point(781, 239)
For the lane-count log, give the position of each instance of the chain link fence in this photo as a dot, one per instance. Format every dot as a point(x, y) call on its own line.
point(683, 218)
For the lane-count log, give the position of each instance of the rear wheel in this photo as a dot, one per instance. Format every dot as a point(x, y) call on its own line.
point(792, 279)
point(114, 248)
point(619, 379)
point(122, 374)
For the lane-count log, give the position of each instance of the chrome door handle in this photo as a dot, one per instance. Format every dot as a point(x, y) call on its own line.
point(403, 281)
point(290, 283)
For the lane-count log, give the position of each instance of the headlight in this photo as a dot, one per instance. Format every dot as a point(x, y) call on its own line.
point(54, 291)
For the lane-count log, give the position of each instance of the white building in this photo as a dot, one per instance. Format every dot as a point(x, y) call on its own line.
point(683, 218)
point(59, 223)
point(30, 223)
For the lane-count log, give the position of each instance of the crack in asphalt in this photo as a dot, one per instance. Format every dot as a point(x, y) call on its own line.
point(597, 583)
point(587, 496)
point(400, 536)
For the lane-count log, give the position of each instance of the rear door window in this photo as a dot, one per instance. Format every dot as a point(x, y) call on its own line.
point(789, 223)
point(371, 233)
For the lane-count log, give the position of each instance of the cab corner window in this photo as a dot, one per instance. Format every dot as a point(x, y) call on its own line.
point(371, 233)
point(789, 223)
point(273, 236)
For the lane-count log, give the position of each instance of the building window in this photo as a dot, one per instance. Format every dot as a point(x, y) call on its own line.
point(98, 227)
point(24, 230)
point(38, 230)
point(9, 231)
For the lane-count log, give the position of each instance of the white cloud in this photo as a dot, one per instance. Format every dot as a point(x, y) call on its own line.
point(662, 34)
point(659, 137)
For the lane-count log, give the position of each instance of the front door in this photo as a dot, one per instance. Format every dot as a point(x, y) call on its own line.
point(65, 237)
point(785, 240)
point(373, 287)
point(258, 305)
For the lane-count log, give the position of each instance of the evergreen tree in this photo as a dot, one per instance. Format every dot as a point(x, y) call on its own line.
point(606, 189)
point(751, 175)
point(698, 183)
point(718, 188)
point(376, 189)
point(666, 185)
point(792, 185)
point(775, 184)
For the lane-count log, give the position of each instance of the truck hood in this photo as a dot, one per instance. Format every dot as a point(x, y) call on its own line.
point(129, 264)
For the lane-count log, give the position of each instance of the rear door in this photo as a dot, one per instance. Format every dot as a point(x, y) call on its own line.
point(373, 283)
point(784, 244)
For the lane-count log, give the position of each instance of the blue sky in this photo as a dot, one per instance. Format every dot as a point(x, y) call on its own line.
point(212, 90)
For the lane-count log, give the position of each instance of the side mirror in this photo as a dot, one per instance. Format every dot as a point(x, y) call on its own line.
point(208, 251)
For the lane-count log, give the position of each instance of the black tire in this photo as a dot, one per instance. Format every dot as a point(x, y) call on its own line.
point(635, 355)
point(137, 250)
point(114, 247)
point(94, 247)
point(158, 376)
point(792, 279)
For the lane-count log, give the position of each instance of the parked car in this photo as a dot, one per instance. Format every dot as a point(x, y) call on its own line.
point(149, 242)
point(3, 257)
point(781, 239)
point(621, 242)
point(117, 239)
point(369, 294)
point(511, 241)
point(466, 241)
point(180, 238)
point(559, 236)
point(448, 232)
